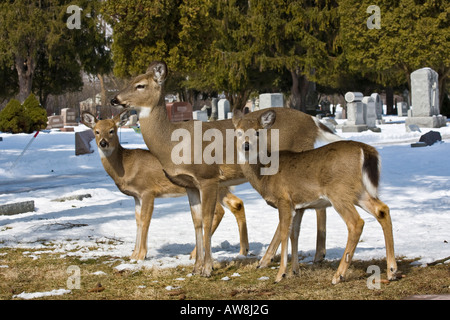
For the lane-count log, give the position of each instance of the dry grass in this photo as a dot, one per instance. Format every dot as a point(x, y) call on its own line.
point(49, 272)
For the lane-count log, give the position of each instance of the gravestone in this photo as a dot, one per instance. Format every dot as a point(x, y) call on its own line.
point(214, 102)
point(55, 122)
point(430, 138)
point(355, 113)
point(132, 120)
point(370, 116)
point(179, 111)
point(223, 107)
point(83, 142)
point(378, 107)
point(69, 117)
point(402, 109)
point(425, 100)
point(269, 100)
point(413, 128)
point(16, 208)
point(338, 111)
point(201, 115)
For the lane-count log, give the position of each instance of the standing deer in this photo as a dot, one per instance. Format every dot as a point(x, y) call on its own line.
point(139, 174)
point(341, 174)
point(145, 93)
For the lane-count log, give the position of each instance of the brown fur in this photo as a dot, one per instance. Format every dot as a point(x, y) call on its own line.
point(138, 173)
point(332, 175)
point(146, 94)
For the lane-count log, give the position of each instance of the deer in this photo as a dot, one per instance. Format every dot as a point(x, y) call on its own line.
point(137, 173)
point(342, 174)
point(145, 93)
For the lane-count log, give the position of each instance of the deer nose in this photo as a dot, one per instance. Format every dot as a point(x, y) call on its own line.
point(103, 143)
point(246, 146)
point(115, 101)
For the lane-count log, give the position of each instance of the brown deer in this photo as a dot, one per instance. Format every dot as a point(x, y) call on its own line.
point(202, 179)
point(137, 173)
point(341, 174)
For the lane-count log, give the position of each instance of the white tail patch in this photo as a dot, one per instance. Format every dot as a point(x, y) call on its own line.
point(324, 137)
point(370, 188)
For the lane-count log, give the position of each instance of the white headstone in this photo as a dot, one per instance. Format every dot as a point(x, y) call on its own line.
point(200, 115)
point(353, 96)
point(223, 107)
point(370, 116)
point(269, 100)
point(355, 113)
point(402, 109)
point(378, 105)
point(425, 92)
point(425, 100)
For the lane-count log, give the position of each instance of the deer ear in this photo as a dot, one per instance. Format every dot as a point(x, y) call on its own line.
point(159, 71)
point(237, 116)
point(267, 119)
point(88, 119)
point(122, 118)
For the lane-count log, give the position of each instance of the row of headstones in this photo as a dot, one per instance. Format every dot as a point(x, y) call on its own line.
point(363, 113)
point(67, 118)
point(221, 107)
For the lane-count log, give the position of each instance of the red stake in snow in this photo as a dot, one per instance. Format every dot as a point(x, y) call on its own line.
point(25, 149)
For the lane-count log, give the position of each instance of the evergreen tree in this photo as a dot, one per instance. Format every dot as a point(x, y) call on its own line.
point(37, 114)
point(14, 119)
point(36, 42)
point(413, 34)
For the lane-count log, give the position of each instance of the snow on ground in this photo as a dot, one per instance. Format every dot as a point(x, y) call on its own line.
point(415, 184)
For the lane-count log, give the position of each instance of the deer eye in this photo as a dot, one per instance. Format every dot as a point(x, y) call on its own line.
point(111, 131)
point(97, 132)
point(140, 86)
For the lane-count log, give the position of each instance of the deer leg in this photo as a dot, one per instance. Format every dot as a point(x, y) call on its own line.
point(218, 215)
point(382, 213)
point(143, 213)
point(295, 231)
point(137, 214)
point(208, 196)
point(271, 250)
point(236, 206)
point(196, 212)
point(285, 216)
point(355, 226)
point(321, 249)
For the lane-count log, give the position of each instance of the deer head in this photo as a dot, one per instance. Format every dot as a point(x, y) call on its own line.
point(145, 90)
point(252, 141)
point(105, 130)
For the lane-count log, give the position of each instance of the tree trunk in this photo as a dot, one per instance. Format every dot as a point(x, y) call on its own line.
point(304, 88)
point(299, 91)
point(390, 100)
point(25, 70)
point(295, 98)
point(105, 109)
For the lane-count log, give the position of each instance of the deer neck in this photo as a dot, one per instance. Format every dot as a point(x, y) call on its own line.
point(157, 130)
point(252, 173)
point(113, 163)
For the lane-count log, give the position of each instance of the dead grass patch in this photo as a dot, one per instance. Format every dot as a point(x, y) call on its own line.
point(49, 272)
